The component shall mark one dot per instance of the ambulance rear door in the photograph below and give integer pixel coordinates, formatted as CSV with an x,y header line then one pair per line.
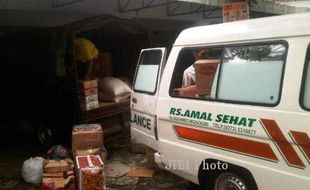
x,y
144,96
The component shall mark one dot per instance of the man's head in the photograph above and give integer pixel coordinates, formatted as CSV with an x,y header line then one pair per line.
x,y
200,54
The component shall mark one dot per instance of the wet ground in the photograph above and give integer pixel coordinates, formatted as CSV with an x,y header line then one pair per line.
x,y
121,160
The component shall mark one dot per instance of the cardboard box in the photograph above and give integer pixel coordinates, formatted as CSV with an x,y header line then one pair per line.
x,y
91,178
90,91
140,172
91,98
90,170
52,166
88,161
94,151
65,174
235,11
87,136
58,183
188,91
91,105
205,70
89,94
63,180
89,84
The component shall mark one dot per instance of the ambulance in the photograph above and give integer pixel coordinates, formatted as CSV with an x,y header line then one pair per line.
x,y
244,121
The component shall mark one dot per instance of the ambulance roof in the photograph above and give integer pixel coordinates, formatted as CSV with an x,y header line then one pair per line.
x,y
252,29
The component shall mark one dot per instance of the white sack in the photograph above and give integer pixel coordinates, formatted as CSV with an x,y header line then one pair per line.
x,y
32,170
110,87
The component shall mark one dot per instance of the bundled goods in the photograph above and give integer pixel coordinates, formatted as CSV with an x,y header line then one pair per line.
x,y
113,90
90,170
32,170
86,139
58,175
88,151
89,94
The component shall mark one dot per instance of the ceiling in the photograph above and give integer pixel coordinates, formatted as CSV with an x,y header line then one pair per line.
x,y
50,13
292,3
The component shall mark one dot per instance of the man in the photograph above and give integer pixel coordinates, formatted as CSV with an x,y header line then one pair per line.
x,y
189,73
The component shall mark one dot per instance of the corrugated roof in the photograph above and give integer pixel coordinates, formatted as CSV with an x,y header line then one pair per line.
x,y
268,6
292,3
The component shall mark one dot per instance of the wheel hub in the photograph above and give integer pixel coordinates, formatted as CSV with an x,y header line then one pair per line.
x,y
228,181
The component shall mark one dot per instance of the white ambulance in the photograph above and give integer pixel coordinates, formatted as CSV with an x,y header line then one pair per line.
x,y
244,121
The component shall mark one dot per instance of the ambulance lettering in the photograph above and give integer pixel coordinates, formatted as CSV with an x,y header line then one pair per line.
x,y
235,120
141,121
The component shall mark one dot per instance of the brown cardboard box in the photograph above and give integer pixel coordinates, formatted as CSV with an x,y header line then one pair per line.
x,y
91,105
91,98
188,91
89,84
87,136
58,183
90,102
58,175
235,11
205,70
90,91
51,166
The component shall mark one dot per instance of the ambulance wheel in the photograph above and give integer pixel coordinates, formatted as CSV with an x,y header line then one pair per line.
x,y
230,181
234,178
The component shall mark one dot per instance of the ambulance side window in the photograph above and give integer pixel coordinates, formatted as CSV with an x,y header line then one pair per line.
x,y
305,94
147,72
194,72
251,74
245,74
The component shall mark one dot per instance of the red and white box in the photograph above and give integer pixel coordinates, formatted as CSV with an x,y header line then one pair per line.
x,y
88,161
90,171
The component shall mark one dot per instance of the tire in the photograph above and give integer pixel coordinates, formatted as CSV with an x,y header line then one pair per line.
x,y
234,178
230,181
46,135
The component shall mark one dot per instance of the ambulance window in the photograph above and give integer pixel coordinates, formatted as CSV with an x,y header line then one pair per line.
x,y
251,74
195,72
147,73
246,74
305,99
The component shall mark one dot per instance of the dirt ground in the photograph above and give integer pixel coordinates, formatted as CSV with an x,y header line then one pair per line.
x,y
121,160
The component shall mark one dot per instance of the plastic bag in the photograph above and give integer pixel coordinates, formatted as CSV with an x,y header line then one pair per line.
x,y
32,170
58,152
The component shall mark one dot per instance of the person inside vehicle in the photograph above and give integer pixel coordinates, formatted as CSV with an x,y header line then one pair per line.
x,y
189,73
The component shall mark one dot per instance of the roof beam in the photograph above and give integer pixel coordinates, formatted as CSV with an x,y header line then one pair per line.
x,y
261,6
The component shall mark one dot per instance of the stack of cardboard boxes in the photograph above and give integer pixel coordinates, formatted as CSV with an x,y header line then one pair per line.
x,y
58,175
90,94
87,143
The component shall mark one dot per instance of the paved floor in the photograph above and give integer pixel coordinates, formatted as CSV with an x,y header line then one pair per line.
x,y
123,159
120,161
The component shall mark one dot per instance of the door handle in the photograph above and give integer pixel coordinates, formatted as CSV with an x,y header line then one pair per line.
x,y
134,100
